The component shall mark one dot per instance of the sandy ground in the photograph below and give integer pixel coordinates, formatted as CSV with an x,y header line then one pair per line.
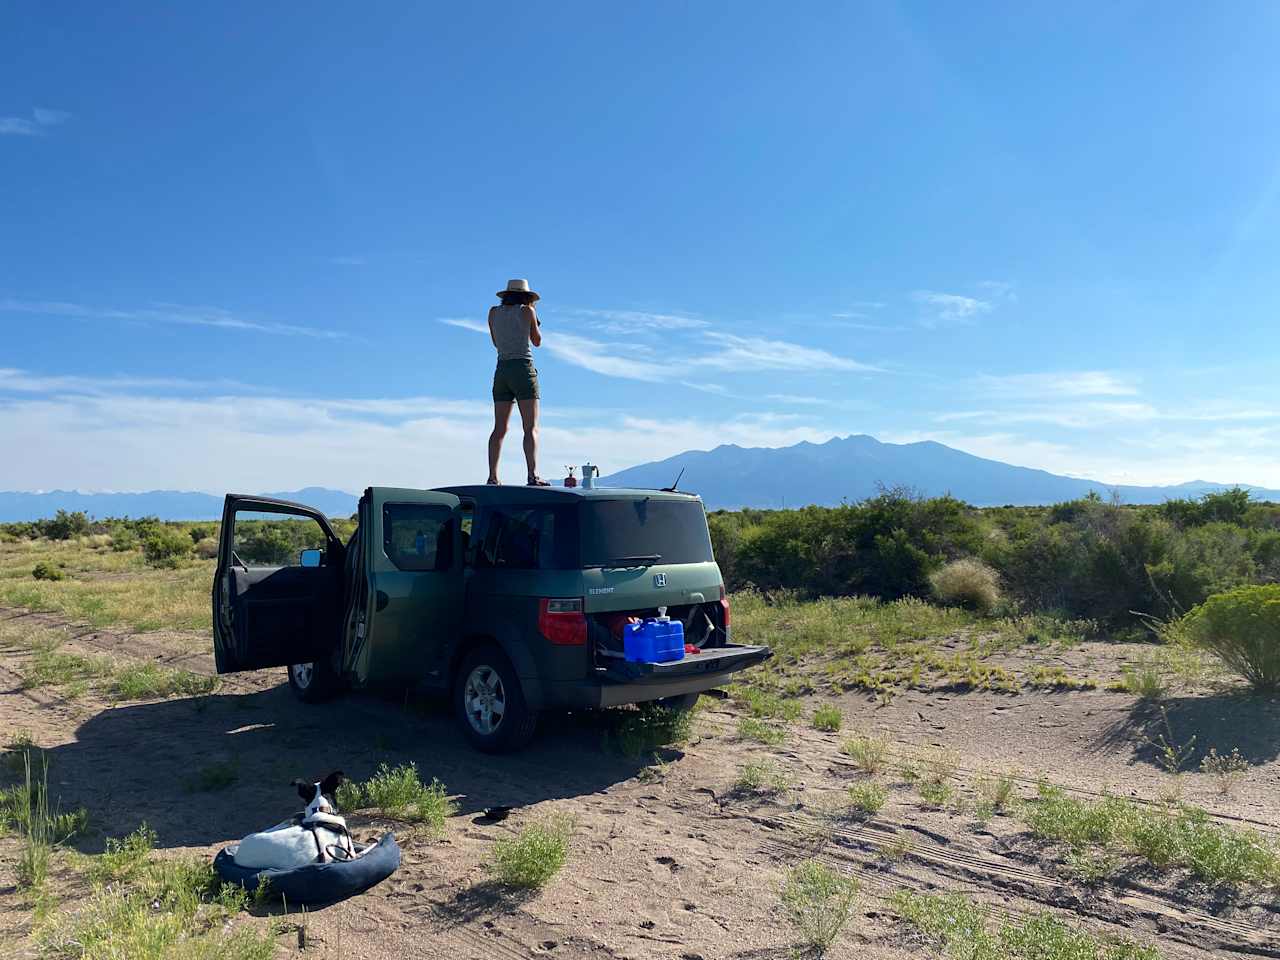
x,y
666,861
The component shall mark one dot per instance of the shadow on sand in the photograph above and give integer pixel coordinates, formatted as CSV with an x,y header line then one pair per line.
x,y
1225,722
144,762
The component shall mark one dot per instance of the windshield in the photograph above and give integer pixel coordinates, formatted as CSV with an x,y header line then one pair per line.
x,y
644,530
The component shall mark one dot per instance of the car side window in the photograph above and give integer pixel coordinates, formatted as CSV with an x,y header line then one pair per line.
x,y
519,538
417,536
269,539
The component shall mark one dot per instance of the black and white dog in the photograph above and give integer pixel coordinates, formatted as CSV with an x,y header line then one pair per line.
x,y
317,835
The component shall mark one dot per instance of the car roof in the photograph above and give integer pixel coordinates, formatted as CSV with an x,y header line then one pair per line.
x,y
510,493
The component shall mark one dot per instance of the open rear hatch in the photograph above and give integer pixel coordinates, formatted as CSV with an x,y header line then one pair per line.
x,y
726,659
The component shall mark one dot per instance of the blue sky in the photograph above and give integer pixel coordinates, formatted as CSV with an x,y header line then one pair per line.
x,y
247,249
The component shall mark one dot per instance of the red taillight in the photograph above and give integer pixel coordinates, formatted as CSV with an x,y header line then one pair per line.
x,y
562,622
724,608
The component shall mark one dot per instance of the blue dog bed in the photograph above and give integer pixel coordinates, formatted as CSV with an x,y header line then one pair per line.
x,y
316,882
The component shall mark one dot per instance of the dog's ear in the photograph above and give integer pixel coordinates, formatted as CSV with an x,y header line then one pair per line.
x,y
306,791
332,782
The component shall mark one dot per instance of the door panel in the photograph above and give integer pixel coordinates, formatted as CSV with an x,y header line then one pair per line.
x,y
413,552
268,609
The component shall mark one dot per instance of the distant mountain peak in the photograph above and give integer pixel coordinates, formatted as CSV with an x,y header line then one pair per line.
x,y
858,466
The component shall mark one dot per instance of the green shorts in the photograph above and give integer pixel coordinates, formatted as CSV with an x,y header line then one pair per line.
x,y
515,380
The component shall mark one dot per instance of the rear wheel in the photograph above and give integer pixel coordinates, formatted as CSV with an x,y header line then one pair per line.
x,y
489,702
314,682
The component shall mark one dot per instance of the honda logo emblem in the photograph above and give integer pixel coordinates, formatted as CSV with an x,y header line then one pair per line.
x,y
659,579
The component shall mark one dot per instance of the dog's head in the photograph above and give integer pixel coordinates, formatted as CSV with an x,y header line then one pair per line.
x,y
318,794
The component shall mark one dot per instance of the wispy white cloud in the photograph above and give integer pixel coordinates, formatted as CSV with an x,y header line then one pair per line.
x,y
608,359
184,440
50,118
797,399
41,118
1068,383
716,389
13,380
466,324
629,322
999,290
856,321
166,313
756,354
944,309
731,353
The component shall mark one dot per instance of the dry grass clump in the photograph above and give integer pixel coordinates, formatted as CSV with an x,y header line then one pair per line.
x,y
828,717
967,583
1164,836
761,731
966,931
819,903
867,799
869,753
399,793
530,859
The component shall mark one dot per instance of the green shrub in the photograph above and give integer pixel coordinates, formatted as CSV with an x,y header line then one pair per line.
x,y
964,931
968,583
819,902
166,547
147,681
867,798
398,793
530,859
869,753
828,717
207,548
200,532
761,731
641,732
46,571
763,777
1242,628
123,539
66,525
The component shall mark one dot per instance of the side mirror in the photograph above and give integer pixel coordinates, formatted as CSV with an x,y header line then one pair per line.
x,y
310,558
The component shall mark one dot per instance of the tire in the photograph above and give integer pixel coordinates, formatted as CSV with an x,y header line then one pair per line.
x,y
485,679
314,682
681,702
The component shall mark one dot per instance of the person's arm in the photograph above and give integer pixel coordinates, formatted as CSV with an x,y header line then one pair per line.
x,y
535,328
491,336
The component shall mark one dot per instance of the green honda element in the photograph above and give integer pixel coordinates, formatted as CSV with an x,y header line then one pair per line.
x,y
510,599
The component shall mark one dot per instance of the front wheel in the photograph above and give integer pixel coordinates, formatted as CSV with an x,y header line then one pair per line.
x,y
314,682
489,702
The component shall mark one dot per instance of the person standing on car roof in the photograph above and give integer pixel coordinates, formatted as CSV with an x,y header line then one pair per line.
x,y
514,329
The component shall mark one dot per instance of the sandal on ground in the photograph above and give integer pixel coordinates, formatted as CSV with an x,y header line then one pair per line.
x,y
537,482
492,483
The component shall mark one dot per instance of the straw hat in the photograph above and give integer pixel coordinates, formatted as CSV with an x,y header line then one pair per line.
x,y
519,286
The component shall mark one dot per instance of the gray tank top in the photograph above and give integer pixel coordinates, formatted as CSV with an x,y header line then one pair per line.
x,y
511,332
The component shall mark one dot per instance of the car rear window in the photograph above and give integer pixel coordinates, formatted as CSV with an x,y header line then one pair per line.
x,y
674,530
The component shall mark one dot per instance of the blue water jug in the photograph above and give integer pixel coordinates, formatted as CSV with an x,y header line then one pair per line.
x,y
656,640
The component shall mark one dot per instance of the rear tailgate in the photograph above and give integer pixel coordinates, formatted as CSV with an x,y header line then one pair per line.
x,y
714,660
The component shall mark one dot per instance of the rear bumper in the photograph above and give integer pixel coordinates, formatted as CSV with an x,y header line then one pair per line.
x,y
641,682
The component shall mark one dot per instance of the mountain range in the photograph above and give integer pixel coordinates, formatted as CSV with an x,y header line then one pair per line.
x,y
844,468
165,504
855,467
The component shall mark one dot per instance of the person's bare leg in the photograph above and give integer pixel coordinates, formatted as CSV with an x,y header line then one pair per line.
x,y
529,417
501,417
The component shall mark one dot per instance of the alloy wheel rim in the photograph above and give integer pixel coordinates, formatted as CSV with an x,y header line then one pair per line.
x,y
302,673
485,699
